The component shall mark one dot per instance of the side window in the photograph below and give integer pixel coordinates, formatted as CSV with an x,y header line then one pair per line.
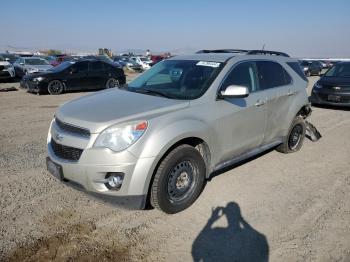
x,y
272,74
80,66
96,66
244,74
297,69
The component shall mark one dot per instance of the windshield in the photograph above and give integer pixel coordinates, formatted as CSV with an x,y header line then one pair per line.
x,y
340,70
177,79
33,61
61,67
305,63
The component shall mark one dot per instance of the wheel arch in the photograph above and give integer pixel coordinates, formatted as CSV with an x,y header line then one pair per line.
x,y
198,143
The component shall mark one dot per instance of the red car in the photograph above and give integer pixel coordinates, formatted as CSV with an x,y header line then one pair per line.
x,y
61,58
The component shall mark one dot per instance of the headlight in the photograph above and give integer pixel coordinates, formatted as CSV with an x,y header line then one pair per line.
x,y
305,68
121,136
318,85
32,70
38,79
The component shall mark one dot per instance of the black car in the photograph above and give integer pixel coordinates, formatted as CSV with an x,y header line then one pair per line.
x,y
333,88
75,75
311,67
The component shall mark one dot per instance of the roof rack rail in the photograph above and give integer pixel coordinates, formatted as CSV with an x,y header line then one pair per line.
x,y
266,52
204,51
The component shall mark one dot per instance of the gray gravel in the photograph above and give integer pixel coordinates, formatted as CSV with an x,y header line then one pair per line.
x,y
297,205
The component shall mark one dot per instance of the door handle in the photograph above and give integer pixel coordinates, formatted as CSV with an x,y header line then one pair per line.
x,y
260,102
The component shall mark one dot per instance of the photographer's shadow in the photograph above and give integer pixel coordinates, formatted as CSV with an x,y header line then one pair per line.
x,y
236,242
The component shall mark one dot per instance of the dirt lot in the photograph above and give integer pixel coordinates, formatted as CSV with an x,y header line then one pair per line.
x,y
283,207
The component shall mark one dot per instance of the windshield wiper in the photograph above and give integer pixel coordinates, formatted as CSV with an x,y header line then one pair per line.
x,y
152,91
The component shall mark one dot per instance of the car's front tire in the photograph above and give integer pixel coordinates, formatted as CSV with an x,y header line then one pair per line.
x,y
179,180
295,138
55,87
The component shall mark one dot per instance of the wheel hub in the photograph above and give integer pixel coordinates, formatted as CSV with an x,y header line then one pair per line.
x,y
181,181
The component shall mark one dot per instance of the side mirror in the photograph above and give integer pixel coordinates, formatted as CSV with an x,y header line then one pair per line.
x,y
234,91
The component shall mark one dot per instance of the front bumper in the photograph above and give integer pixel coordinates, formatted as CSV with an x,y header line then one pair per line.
x,y
34,86
322,97
93,166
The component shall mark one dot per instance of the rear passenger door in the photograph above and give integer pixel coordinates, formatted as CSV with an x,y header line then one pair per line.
x,y
278,88
98,74
242,121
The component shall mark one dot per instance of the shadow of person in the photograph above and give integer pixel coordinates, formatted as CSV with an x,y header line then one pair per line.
x,y
236,242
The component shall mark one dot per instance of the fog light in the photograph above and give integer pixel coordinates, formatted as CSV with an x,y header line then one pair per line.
x,y
114,180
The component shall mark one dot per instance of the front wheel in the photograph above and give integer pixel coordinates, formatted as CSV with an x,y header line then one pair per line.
x,y
179,180
112,82
55,87
295,139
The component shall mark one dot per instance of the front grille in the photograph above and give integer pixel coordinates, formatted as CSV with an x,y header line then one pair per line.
x,y
66,152
72,129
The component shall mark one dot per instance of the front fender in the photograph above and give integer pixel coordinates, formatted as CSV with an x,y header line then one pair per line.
x,y
161,140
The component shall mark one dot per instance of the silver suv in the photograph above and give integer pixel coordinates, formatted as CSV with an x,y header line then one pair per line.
x,y
157,141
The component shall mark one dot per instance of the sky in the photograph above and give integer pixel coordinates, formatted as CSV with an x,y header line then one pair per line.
x,y
301,28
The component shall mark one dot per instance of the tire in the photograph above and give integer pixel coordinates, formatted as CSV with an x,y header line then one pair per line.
x,y
179,180
295,139
112,83
55,87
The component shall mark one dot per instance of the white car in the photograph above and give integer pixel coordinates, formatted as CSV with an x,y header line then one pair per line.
x,y
144,62
6,69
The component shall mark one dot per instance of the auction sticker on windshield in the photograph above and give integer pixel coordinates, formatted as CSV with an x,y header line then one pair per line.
x,y
205,63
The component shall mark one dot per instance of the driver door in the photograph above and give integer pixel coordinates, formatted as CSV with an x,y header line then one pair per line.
x,y
242,121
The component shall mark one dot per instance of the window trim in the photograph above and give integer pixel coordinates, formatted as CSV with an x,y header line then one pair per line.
x,y
258,84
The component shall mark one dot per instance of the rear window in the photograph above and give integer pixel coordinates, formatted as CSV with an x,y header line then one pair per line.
x,y
272,74
297,69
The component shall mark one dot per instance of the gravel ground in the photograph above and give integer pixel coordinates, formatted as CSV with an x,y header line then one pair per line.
x,y
280,207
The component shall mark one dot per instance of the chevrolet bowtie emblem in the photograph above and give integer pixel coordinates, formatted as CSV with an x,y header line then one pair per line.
x,y
58,137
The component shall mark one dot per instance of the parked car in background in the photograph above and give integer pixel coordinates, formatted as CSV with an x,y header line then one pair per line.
x,y
311,67
106,59
10,57
333,88
144,62
6,69
60,59
82,74
48,58
119,60
157,143
156,58
131,64
30,65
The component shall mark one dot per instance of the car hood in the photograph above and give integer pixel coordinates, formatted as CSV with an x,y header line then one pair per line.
x,y
105,108
5,63
37,74
334,81
39,67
